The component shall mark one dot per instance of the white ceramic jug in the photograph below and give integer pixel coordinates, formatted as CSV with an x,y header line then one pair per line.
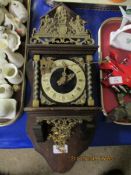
x,y
6,91
13,39
18,10
12,74
13,23
15,58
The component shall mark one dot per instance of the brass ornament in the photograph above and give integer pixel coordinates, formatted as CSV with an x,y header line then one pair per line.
x,y
16,88
89,60
61,28
36,59
47,64
62,130
45,101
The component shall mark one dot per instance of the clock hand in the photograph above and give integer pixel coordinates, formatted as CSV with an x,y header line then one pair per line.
x,y
70,77
65,78
64,64
62,80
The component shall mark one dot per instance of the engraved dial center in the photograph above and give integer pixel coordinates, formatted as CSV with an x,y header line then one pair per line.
x,y
61,83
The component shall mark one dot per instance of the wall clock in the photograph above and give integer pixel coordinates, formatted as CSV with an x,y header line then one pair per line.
x,y
62,107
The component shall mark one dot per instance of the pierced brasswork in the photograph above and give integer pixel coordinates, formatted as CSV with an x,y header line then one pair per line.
x,y
47,64
61,130
62,28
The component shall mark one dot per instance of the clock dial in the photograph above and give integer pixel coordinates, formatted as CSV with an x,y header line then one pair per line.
x,y
65,82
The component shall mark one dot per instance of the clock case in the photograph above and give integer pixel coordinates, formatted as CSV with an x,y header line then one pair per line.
x,y
38,114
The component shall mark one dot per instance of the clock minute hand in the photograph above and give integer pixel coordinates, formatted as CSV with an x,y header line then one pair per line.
x,y
65,78
62,79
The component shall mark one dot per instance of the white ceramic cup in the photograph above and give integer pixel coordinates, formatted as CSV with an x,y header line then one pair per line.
x,y
12,74
4,2
6,91
15,58
5,108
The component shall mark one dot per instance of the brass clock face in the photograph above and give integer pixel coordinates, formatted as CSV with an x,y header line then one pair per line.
x,y
65,82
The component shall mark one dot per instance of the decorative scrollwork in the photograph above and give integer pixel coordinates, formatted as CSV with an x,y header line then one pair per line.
x,y
61,130
62,28
36,81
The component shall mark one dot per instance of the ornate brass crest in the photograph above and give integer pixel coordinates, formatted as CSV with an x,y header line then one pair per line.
x,y
62,28
62,130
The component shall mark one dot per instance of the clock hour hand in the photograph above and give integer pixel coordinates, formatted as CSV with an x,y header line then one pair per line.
x,y
62,80
70,77
65,77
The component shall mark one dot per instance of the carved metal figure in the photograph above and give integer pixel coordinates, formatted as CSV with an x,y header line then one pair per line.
x,y
61,28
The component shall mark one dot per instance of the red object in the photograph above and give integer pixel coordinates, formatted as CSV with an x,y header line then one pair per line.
x,y
114,69
118,1
108,96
